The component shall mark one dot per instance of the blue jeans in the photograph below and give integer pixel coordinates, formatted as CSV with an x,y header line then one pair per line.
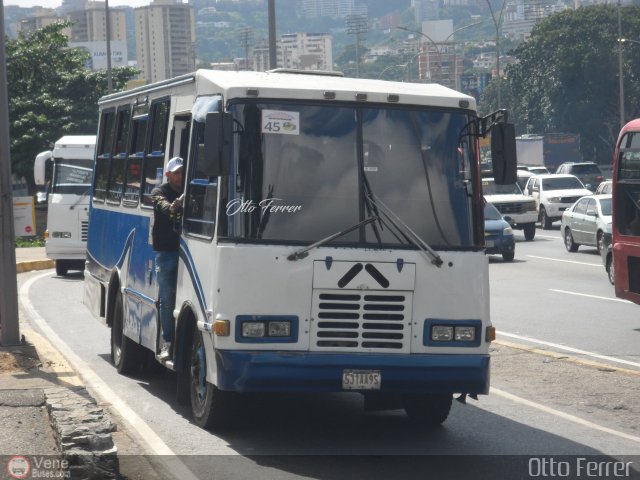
x,y
167,273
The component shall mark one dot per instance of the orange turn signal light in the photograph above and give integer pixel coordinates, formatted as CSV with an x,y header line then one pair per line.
x,y
490,334
222,328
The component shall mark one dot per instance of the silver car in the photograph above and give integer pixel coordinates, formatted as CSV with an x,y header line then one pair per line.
x,y
586,222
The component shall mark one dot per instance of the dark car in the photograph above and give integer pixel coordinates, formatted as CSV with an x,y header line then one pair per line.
x,y
588,172
498,235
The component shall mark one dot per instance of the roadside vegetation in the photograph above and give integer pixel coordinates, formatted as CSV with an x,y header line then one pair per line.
x,y
566,78
28,242
51,93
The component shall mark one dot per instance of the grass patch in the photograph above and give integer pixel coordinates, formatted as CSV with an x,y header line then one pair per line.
x,y
27,242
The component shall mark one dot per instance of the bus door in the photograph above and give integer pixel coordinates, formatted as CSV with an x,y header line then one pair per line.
x,y
141,273
200,208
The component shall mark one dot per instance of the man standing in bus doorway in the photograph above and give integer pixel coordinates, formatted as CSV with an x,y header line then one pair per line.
x,y
167,213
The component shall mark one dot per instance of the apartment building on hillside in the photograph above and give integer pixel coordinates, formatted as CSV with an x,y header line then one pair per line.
x,y
299,51
165,35
88,30
41,18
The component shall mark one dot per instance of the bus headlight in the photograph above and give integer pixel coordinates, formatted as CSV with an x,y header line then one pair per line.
x,y
465,334
441,333
452,333
279,329
60,234
253,329
266,329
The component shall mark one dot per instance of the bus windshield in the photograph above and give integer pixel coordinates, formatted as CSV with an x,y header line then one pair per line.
x,y
72,176
306,171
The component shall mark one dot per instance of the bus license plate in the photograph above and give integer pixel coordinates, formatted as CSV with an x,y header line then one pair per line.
x,y
361,379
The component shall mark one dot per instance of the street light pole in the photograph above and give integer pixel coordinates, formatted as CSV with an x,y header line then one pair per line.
x,y
273,59
107,24
620,74
620,71
496,23
435,45
389,68
9,323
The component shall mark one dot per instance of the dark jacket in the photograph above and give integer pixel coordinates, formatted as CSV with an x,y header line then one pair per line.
x,y
166,224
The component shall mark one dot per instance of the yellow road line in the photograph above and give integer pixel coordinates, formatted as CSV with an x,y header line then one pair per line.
x,y
564,356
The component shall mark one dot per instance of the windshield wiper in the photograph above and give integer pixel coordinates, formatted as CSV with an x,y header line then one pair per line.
x,y
406,231
80,199
305,251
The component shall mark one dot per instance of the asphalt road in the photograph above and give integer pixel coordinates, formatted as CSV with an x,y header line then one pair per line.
x,y
537,405
551,295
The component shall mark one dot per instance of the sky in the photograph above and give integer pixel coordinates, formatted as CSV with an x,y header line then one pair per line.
x,y
57,3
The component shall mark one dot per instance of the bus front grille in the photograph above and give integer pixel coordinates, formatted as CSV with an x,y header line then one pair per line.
x,y
361,320
84,230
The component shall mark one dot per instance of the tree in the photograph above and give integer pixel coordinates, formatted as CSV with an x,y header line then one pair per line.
x,y
51,93
566,77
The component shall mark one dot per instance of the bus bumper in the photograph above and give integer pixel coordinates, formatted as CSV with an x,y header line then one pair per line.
x,y
251,371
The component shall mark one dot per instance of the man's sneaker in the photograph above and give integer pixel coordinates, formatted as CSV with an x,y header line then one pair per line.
x,y
165,350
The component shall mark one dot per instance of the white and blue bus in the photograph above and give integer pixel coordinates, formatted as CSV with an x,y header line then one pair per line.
x,y
332,237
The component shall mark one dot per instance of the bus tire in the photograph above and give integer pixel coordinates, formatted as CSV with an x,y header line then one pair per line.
x,y
529,231
427,410
610,270
211,408
61,268
126,355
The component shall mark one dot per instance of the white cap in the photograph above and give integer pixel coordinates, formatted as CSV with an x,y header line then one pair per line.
x,y
174,164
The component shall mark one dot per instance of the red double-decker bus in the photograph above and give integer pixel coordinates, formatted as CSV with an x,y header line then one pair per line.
x,y
626,212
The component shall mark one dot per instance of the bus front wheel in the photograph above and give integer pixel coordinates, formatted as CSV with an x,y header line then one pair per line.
x,y
62,268
427,410
126,355
210,406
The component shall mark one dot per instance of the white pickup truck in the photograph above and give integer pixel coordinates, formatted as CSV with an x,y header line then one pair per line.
x,y
516,208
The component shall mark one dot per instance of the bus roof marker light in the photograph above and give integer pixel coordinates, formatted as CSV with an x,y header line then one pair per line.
x,y
361,97
463,103
392,98
253,92
329,95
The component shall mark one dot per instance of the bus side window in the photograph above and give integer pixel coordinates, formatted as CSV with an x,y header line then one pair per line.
x,y
153,161
134,162
116,179
103,155
202,191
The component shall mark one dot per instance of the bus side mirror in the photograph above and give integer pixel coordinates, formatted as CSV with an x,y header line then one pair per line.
x,y
39,167
218,136
503,153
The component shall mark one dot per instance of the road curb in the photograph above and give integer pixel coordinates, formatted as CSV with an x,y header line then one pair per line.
x,y
565,357
22,267
81,428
